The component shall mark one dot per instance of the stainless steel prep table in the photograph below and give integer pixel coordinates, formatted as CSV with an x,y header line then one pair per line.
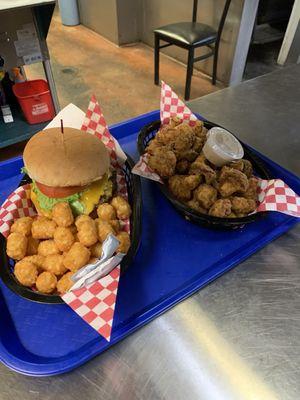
x,y
238,338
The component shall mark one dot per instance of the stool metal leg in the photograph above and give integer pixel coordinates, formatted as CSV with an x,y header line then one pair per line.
x,y
156,59
189,74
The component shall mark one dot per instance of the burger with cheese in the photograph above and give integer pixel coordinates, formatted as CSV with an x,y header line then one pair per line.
x,y
73,166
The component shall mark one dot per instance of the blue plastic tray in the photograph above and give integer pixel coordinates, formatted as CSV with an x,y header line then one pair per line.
x,y
40,340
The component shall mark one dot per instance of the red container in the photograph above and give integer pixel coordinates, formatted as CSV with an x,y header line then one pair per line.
x,y
35,100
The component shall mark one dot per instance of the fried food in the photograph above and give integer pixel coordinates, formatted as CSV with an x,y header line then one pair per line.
x,y
62,214
122,207
16,245
184,139
182,186
73,229
36,259
26,272
153,146
182,166
63,238
47,247
80,219
22,225
198,144
115,223
206,195
106,212
43,228
189,155
175,154
65,283
46,282
54,263
163,162
240,205
124,245
32,246
193,204
221,208
231,181
96,250
76,257
87,233
104,229
242,165
251,192
174,121
166,135
198,128
201,167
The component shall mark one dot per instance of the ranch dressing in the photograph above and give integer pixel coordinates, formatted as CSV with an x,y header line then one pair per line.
x,y
221,147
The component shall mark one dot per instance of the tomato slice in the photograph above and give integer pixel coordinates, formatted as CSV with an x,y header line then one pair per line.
x,y
59,192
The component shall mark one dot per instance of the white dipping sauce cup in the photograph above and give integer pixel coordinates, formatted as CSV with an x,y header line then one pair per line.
x,y
221,147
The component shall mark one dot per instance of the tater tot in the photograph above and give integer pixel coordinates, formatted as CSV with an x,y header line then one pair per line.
x,y
104,229
80,219
43,228
65,283
47,247
32,246
22,225
54,263
46,282
122,207
87,233
26,272
73,229
16,245
96,250
63,238
124,245
115,223
62,214
106,212
36,259
76,257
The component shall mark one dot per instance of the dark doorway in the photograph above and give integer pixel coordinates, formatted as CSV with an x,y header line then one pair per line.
x,y
268,33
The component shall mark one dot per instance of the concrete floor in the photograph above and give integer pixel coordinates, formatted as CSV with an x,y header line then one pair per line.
x,y
121,77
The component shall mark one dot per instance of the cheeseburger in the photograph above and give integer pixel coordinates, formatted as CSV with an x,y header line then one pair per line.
x,y
73,167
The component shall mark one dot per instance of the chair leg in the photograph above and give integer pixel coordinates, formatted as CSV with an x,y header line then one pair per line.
x,y
215,64
156,60
189,73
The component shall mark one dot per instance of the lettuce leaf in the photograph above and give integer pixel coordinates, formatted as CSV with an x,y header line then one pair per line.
x,y
47,203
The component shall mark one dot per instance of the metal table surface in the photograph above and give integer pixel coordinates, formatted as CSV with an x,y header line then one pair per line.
x,y
238,338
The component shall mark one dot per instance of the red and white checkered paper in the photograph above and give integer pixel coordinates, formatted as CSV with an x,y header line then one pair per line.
x,y
95,303
273,195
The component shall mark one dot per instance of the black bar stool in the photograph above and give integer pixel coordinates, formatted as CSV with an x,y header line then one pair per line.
x,y
190,35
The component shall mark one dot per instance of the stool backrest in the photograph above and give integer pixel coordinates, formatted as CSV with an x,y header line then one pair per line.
x,y
223,16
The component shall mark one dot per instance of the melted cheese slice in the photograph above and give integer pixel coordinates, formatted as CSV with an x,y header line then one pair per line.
x,y
90,197
40,211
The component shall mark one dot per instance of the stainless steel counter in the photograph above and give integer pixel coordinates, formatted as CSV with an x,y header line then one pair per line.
x,y
238,338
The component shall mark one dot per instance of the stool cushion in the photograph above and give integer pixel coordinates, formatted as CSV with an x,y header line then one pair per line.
x,y
189,33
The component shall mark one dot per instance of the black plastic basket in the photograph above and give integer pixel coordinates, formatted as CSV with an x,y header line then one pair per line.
x,y
149,131
135,200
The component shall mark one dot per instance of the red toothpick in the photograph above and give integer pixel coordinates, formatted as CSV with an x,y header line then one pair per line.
x,y
62,136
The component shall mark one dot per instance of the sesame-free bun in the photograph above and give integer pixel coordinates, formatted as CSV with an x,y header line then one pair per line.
x,y
72,158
